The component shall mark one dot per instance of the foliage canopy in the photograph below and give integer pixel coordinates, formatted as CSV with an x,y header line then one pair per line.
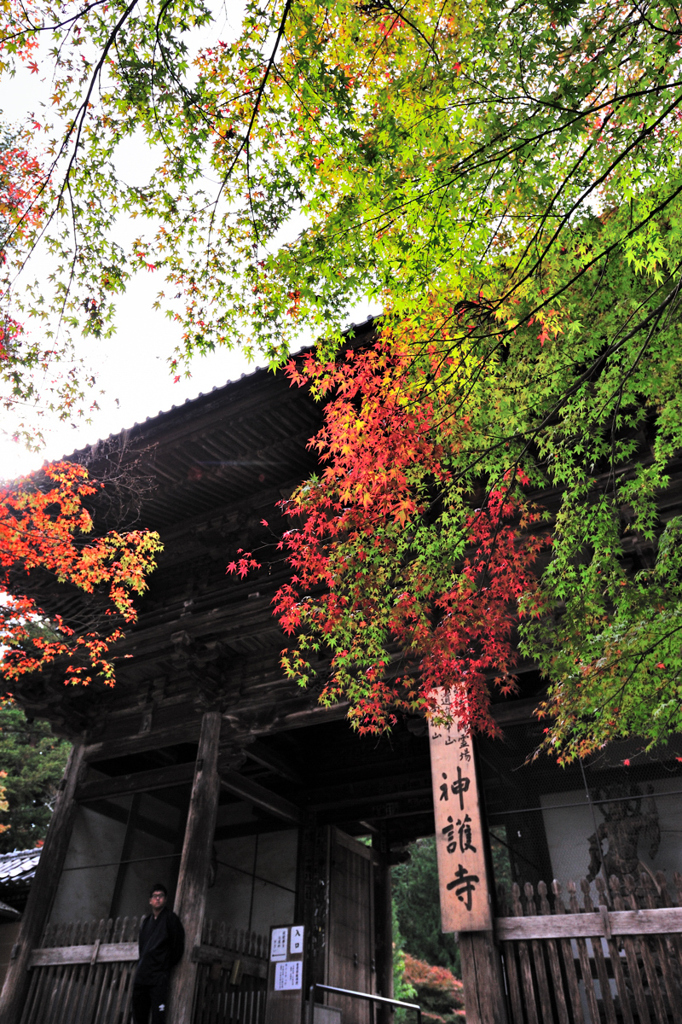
x,y
505,180
34,761
416,898
44,523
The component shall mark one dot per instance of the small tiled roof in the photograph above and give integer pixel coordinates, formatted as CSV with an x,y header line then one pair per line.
x,y
8,913
18,868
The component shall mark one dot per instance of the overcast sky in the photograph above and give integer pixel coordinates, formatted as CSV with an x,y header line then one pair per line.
x,y
131,368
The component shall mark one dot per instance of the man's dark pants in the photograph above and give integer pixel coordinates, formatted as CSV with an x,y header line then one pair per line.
x,y
151,997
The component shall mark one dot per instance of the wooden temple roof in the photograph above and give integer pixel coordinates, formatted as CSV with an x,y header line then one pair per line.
x,y
205,475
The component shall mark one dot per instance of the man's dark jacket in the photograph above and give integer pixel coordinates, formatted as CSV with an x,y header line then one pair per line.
x,y
162,941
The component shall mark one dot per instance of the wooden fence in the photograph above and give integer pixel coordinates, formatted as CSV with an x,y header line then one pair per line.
x,y
615,959
232,976
83,971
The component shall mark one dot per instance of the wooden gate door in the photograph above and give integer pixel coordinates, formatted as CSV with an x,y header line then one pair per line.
x,y
350,948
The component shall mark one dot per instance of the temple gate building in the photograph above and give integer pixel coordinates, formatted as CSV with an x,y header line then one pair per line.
x,y
206,769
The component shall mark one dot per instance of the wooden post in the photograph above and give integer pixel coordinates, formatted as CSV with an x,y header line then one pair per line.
x,y
484,996
464,869
190,896
43,889
383,927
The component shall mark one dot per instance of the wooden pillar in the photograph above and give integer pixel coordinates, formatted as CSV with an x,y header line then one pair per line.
x,y
484,996
383,928
190,896
464,867
43,890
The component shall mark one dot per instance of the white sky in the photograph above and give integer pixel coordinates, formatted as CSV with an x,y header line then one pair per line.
x,y
132,367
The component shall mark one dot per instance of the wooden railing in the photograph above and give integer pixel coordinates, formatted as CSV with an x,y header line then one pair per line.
x,y
83,973
616,958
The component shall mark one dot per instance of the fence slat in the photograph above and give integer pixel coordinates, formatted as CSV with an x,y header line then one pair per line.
x,y
631,958
511,970
614,956
538,959
524,963
553,958
584,959
647,958
674,938
599,960
652,893
569,961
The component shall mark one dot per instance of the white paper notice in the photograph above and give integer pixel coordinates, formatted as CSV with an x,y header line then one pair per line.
x,y
278,943
296,943
288,976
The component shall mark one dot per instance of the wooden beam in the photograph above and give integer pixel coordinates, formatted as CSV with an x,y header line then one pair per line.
x,y
120,814
516,712
106,953
261,797
195,864
216,955
186,731
136,782
43,890
380,811
370,791
310,716
267,758
657,921
250,828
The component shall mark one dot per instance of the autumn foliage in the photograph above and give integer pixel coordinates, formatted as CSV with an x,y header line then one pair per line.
x,y
398,587
519,164
44,523
20,212
439,992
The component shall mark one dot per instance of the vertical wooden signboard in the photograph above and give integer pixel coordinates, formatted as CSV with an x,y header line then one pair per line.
x,y
465,903
284,1001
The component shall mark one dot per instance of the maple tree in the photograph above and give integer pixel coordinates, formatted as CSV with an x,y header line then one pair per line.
x,y
504,179
439,992
31,383
394,575
44,528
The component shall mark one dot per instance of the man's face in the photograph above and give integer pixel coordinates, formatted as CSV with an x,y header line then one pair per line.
x,y
157,901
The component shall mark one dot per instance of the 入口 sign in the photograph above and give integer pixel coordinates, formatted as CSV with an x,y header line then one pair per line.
x,y
464,891
296,943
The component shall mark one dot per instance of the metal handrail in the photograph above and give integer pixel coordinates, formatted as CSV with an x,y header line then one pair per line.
x,y
357,995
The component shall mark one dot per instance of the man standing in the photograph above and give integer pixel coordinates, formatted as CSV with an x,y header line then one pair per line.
x,y
162,941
